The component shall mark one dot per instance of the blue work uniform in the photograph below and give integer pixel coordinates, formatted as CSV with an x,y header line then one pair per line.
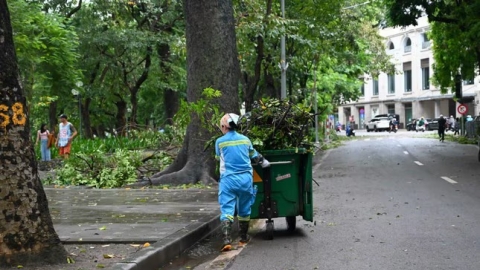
x,y
234,152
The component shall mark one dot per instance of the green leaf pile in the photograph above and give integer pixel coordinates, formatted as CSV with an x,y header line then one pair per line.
x,y
278,124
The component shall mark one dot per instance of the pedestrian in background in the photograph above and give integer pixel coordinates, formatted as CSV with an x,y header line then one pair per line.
x,y
235,152
451,122
457,126
42,137
66,133
442,124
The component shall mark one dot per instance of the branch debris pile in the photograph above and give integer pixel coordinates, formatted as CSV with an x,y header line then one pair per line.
x,y
278,124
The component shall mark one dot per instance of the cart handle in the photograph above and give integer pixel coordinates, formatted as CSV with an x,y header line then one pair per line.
x,y
281,162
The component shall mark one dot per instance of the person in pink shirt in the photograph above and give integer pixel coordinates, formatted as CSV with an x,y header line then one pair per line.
x,y
42,137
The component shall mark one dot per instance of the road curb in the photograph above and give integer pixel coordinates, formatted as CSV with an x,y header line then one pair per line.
x,y
163,251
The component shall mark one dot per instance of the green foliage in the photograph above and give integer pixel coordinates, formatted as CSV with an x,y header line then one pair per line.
x,y
46,49
278,124
113,162
204,110
101,170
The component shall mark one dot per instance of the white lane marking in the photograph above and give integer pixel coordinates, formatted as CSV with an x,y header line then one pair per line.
x,y
449,180
405,152
367,139
418,163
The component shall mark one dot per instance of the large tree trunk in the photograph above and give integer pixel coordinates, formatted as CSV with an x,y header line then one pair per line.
x,y
134,103
170,98
211,62
87,126
270,89
27,235
171,101
52,115
120,119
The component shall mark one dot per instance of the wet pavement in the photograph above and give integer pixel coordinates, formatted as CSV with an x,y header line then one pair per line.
x,y
168,217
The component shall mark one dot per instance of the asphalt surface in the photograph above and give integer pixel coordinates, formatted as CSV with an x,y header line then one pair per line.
x,y
385,202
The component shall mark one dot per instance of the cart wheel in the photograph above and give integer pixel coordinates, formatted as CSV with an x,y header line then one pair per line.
x,y
291,223
270,229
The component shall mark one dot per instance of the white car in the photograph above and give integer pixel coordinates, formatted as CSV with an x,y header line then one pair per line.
x,y
378,124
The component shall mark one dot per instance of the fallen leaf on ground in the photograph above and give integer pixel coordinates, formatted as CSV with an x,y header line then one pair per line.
x,y
100,265
108,256
134,245
103,228
105,245
19,266
146,245
70,260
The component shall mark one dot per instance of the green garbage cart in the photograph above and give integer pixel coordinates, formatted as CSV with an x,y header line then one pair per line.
x,y
284,189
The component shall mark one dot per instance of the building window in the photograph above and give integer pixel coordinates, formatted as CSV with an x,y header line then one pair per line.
x,y
362,90
425,41
391,108
408,45
391,46
425,74
391,83
375,87
407,76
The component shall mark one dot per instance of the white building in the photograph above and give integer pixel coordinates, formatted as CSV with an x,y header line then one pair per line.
x,y
409,93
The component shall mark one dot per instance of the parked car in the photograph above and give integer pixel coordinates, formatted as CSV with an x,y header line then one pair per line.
x,y
389,116
378,124
433,124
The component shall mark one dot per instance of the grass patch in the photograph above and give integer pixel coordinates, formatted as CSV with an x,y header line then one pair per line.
x,y
454,138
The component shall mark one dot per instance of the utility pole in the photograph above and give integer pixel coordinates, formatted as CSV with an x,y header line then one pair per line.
x,y
283,62
315,103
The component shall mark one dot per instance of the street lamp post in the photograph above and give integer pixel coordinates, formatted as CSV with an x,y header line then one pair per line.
x,y
283,61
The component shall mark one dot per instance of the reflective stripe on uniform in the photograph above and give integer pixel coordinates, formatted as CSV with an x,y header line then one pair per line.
x,y
233,143
247,218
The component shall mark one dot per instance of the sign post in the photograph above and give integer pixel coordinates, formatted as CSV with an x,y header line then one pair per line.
x,y
462,109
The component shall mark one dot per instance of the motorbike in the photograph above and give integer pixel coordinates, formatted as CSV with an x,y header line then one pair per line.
x,y
393,128
451,127
350,131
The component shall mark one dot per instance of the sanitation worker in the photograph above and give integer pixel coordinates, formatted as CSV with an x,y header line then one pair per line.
x,y
235,153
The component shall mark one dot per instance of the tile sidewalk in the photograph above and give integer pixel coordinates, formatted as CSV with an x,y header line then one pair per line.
x,y
171,220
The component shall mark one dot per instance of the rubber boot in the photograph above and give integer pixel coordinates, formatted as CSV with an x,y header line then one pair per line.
x,y
244,237
227,240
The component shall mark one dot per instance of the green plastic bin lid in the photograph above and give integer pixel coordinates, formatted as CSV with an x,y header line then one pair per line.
x,y
285,151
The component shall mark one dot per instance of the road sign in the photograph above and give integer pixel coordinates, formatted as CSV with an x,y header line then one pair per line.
x,y
462,109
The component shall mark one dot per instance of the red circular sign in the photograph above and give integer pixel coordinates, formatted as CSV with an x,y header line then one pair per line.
x,y
462,109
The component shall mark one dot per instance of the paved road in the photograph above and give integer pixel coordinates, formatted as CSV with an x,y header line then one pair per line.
x,y
386,203
400,132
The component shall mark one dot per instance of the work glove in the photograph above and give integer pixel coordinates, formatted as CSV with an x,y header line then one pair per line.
x,y
264,163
